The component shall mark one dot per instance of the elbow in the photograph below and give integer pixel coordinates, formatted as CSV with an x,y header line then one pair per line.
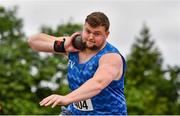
x,y
99,87
32,41
101,84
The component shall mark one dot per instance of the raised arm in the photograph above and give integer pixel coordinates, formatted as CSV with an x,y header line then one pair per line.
x,y
45,43
42,42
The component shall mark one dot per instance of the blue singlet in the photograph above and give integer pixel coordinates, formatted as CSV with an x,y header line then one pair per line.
x,y
110,101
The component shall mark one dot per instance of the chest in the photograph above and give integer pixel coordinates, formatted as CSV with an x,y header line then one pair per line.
x,y
83,58
80,73
83,70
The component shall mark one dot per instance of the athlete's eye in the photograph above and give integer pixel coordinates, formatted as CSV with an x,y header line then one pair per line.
x,y
96,34
88,31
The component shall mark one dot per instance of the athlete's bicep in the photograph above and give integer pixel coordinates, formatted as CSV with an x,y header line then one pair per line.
x,y
109,69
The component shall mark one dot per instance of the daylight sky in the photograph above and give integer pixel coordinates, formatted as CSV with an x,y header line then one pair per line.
x,y
126,18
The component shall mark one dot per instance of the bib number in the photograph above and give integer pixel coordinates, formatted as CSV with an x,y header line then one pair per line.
x,y
85,105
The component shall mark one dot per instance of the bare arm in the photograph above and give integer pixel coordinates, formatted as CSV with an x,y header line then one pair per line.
x,y
45,43
107,71
105,74
42,42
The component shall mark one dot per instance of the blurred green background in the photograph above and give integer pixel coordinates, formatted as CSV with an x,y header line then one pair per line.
x,y
27,76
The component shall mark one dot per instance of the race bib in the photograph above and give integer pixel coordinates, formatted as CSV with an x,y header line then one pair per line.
x,y
85,105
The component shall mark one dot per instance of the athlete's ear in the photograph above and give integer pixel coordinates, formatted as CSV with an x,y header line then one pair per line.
x,y
107,34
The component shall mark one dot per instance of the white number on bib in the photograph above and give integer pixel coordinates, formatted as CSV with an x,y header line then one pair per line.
x,y
85,105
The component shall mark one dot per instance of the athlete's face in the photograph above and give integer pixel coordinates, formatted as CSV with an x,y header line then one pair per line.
x,y
94,37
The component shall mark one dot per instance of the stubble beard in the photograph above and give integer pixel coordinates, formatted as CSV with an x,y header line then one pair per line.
x,y
93,47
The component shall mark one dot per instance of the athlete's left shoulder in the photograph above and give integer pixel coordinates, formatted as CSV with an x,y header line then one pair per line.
x,y
113,53
111,56
109,48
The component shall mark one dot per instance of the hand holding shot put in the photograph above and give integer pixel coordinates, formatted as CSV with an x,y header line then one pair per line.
x,y
95,69
46,43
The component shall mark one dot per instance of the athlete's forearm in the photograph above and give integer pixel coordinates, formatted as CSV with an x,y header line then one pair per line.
x,y
85,91
104,75
43,42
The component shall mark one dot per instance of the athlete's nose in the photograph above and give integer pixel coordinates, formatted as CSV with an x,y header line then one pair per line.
x,y
91,36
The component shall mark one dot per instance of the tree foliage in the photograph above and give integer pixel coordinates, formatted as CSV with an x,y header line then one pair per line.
x,y
27,76
148,90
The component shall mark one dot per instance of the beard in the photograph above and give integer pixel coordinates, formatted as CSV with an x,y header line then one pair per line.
x,y
93,47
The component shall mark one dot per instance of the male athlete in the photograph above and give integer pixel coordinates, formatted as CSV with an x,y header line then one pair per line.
x,y
95,74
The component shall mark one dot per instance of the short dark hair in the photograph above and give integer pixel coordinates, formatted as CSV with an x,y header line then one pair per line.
x,y
96,19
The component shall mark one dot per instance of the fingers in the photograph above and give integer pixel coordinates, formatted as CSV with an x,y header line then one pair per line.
x,y
55,103
68,43
48,100
53,99
75,34
45,100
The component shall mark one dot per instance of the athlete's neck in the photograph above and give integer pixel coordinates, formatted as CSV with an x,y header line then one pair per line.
x,y
87,54
89,51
